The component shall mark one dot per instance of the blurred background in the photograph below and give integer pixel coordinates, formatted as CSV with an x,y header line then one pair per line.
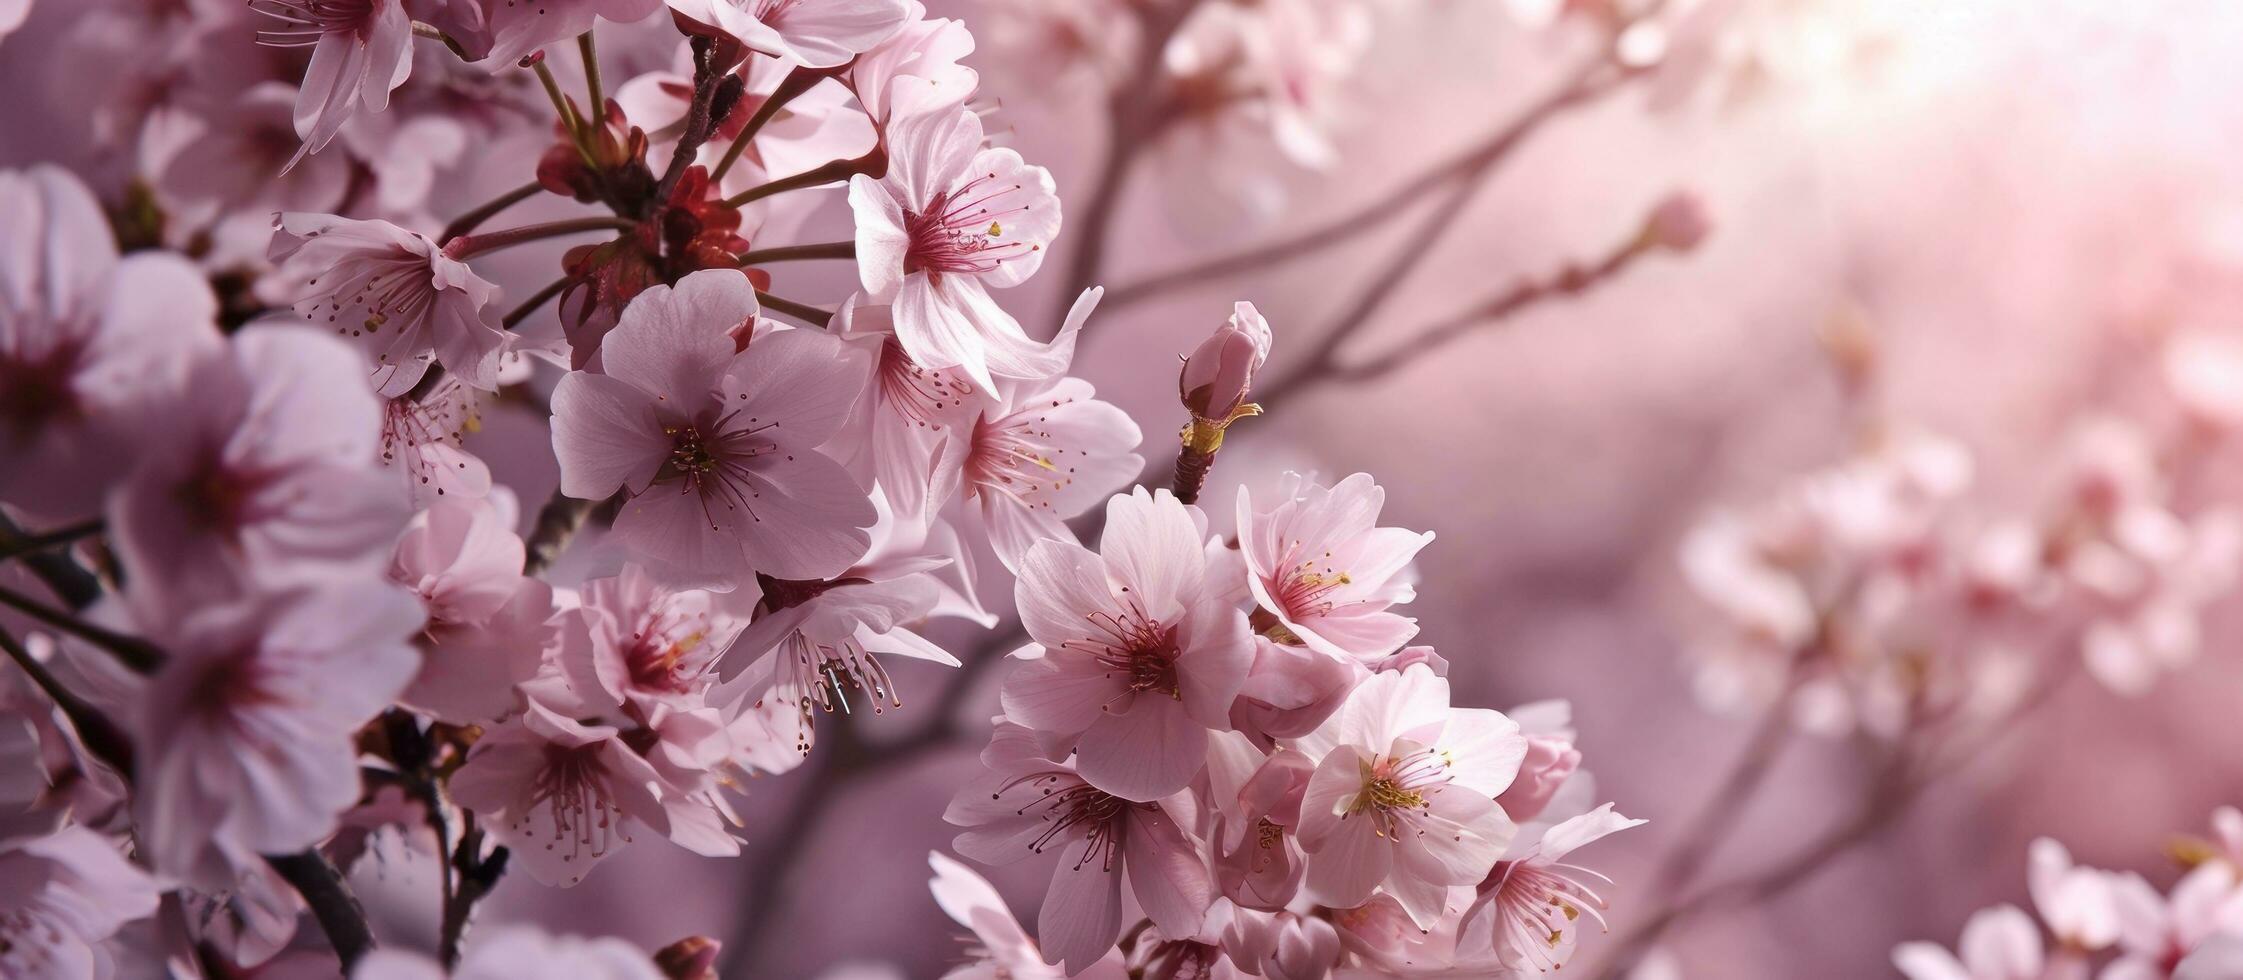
x,y
2010,203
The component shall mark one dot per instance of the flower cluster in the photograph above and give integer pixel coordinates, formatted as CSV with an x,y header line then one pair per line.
x,y
1879,591
2118,919
1235,737
294,622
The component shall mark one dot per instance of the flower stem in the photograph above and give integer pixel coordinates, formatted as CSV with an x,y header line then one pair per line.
x,y
73,584
101,736
584,48
822,250
468,222
134,652
797,82
800,311
826,173
433,32
470,245
33,543
538,299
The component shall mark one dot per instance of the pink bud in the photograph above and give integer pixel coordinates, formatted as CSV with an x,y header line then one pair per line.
x,y
1679,222
691,958
1550,761
1218,377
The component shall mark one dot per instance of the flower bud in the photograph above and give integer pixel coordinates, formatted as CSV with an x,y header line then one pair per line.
x,y
1218,377
1550,761
1679,223
691,958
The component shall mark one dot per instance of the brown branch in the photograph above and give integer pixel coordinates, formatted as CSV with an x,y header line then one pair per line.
x,y
71,583
134,652
798,81
790,253
1138,109
1586,84
515,316
557,522
698,125
100,736
332,904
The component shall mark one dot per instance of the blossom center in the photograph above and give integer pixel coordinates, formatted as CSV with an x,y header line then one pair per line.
x,y
962,230
918,394
34,392
572,784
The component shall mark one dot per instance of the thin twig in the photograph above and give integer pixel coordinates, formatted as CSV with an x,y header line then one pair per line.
x,y
557,522
471,245
29,544
697,121
829,172
798,81
515,316
1137,111
100,736
486,211
1584,85
71,583
804,312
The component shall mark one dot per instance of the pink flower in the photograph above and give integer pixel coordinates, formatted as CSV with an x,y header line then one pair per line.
x,y
2156,930
1999,943
562,795
811,33
716,449
1318,562
2077,903
395,294
1282,945
244,740
1529,907
66,893
1291,689
634,645
1027,804
514,28
1550,760
86,341
1137,661
488,624
1404,794
421,440
1218,376
821,639
507,952
1004,951
361,49
949,220
265,475
230,168
909,414
1258,860
12,15
925,50
1049,453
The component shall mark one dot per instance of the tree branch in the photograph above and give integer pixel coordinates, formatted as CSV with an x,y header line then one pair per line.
x,y
339,914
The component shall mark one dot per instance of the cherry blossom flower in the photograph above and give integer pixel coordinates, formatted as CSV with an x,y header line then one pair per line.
x,y
1529,906
488,624
1404,794
822,640
633,644
716,449
1004,950
1282,945
505,952
66,893
262,476
361,49
2156,930
513,29
1551,758
949,220
421,439
2077,903
811,33
1318,562
228,169
395,294
562,796
1258,860
1999,943
244,740
1050,452
926,50
1028,804
1136,661
12,15
1291,689
86,341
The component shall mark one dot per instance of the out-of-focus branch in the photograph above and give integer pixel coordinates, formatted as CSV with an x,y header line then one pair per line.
x,y
339,914
1137,111
75,586
557,522
101,736
1586,84
132,651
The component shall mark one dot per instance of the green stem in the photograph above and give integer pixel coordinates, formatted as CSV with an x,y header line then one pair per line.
x,y
592,73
